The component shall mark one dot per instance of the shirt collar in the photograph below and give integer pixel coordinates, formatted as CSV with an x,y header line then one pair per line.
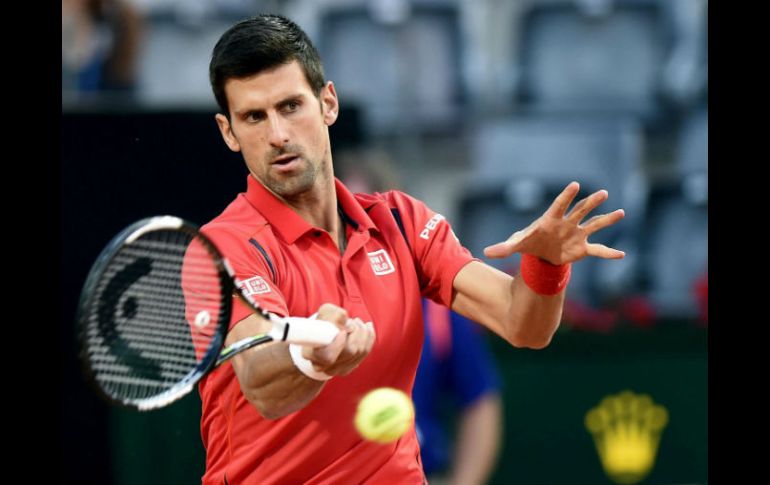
x,y
291,225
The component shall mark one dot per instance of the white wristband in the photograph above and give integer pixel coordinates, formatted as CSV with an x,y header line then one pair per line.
x,y
304,365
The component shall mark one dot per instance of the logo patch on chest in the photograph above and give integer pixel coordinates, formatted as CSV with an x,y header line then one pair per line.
x,y
381,263
255,286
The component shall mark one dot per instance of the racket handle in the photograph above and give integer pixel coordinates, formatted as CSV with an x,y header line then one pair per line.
x,y
310,332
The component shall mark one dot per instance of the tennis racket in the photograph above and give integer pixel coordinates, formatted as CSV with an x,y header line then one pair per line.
x,y
155,309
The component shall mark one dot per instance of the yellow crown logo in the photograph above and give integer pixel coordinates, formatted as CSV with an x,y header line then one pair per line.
x,y
626,429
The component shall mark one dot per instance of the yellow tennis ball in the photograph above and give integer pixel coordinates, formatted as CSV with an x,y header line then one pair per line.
x,y
384,414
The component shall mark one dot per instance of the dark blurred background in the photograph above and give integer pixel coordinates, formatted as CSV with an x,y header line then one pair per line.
x,y
485,109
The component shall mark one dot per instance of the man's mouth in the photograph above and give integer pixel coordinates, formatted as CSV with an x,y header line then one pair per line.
x,y
284,159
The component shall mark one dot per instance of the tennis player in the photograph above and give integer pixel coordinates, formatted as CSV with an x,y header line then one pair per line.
x,y
301,243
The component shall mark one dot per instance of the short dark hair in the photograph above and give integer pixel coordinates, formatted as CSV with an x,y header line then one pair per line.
x,y
259,43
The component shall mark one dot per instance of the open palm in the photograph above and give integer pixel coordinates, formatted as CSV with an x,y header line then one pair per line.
x,y
558,236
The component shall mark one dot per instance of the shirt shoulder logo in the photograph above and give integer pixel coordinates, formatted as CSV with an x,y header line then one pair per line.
x,y
254,286
431,225
381,263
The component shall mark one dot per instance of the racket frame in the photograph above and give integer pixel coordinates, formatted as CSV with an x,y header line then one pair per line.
x,y
295,329
88,300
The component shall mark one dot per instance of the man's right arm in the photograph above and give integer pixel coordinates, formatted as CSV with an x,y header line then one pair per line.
x,y
268,377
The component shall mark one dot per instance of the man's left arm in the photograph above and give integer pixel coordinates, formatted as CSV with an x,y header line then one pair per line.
x,y
508,305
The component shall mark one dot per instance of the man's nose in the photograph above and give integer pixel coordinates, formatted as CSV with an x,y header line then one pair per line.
x,y
277,136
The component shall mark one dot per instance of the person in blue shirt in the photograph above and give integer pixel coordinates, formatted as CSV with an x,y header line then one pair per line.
x,y
457,375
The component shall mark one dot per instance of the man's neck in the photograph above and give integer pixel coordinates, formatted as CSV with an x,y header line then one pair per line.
x,y
319,208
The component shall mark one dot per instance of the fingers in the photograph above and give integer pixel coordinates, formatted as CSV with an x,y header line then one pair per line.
x,y
349,347
602,251
333,313
586,205
599,222
512,245
499,250
361,337
505,248
322,357
562,202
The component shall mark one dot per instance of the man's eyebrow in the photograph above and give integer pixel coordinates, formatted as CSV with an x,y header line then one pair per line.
x,y
248,110
289,99
283,102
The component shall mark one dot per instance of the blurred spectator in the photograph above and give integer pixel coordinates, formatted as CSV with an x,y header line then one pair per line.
x,y
457,375
685,73
100,44
366,170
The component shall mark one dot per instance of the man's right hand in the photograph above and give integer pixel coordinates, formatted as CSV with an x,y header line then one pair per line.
x,y
349,347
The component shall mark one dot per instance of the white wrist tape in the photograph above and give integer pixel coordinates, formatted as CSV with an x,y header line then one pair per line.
x,y
304,365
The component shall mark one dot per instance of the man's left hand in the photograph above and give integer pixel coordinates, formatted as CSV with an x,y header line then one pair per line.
x,y
558,236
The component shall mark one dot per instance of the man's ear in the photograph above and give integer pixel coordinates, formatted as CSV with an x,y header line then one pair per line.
x,y
227,133
330,104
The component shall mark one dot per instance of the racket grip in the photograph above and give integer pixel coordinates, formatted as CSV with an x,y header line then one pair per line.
x,y
310,332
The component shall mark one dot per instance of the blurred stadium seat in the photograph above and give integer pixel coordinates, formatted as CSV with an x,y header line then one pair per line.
x,y
173,70
522,163
401,65
602,56
675,246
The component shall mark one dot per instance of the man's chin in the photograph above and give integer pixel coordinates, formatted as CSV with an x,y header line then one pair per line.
x,y
290,187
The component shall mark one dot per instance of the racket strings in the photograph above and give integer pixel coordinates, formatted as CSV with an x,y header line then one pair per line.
x,y
155,312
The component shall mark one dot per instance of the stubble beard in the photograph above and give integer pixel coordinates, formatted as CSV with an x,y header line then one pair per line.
x,y
296,184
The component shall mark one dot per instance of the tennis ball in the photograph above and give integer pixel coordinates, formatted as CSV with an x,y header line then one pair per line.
x,y
384,414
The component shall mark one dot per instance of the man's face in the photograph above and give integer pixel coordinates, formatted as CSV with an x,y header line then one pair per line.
x,y
281,128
